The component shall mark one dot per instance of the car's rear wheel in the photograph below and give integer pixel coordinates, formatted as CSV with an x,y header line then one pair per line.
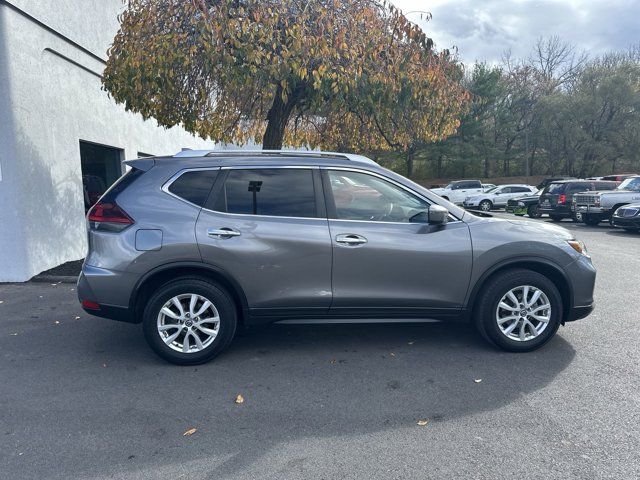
x,y
533,211
591,219
485,205
519,310
189,321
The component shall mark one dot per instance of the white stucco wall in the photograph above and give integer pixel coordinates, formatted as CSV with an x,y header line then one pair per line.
x,y
47,105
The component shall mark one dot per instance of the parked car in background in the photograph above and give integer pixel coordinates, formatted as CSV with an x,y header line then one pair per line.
x,y
619,177
457,191
627,217
488,186
527,205
544,183
497,197
599,205
556,199
197,245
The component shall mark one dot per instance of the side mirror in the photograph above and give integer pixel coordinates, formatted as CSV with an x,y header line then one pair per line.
x,y
438,215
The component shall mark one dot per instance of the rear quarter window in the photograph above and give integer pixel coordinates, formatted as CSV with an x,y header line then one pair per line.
x,y
194,186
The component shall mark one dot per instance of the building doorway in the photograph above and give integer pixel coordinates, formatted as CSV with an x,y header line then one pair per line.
x,y
101,167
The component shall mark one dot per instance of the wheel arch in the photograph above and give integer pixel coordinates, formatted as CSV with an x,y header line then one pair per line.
x,y
157,277
540,265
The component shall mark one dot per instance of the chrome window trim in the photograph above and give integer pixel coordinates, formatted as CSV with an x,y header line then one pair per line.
x,y
176,176
387,179
167,184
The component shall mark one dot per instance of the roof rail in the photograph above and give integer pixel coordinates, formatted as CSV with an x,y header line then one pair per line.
x,y
305,153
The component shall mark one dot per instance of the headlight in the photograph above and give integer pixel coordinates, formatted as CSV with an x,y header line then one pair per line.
x,y
521,204
579,247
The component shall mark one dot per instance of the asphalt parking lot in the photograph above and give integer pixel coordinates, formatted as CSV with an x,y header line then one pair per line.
x,y
82,397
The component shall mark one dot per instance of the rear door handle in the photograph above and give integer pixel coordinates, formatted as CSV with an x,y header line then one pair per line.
x,y
350,239
224,232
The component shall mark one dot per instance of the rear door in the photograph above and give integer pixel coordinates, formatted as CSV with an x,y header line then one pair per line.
x,y
385,264
267,228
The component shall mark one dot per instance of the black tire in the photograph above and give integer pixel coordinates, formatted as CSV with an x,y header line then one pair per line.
x,y
216,294
533,211
485,205
632,230
555,218
591,220
490,296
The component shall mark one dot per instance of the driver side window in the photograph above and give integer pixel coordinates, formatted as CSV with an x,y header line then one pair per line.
x,y
359,196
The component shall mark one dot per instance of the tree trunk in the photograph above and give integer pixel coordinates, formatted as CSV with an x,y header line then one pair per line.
x,y
410,153
277,119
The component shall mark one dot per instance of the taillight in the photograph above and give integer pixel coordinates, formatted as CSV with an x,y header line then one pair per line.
x,y
562,199
109,216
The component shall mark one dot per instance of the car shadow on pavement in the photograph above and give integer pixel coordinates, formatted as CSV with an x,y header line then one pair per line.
x,y
306,382
71,381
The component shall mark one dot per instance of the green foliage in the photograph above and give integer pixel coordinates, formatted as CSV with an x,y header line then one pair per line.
x,y
555,114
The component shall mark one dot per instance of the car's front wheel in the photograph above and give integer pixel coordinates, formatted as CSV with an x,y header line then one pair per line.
x,y
519,310
189,321
592,220
485,205
533,211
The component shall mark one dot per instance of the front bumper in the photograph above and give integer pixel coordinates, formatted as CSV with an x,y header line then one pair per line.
x,y
578,313
626,222
515,209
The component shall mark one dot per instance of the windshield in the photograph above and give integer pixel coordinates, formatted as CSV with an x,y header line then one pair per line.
x,y
492,189
631,184
449,187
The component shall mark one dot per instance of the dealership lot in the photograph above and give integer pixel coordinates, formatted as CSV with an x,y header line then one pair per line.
x,y
83,397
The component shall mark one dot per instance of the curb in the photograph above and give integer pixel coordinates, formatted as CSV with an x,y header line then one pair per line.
x,y
55,279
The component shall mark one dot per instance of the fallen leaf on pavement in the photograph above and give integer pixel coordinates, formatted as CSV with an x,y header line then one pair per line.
x,y
478,380
104,365
239,399
1,302
392,354
189,432
57,322
422,423
333,361
14,334
410,343
77,318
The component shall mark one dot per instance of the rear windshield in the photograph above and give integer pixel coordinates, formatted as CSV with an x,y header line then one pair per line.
x,y
556,188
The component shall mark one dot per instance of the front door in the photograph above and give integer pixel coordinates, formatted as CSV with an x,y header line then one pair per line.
x,y
268,229
386,260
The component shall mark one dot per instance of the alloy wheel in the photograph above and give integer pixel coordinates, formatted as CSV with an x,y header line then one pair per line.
x,y
188,323
523,313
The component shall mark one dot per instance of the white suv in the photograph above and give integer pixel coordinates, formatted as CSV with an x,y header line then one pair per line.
x,y
456,192
497,197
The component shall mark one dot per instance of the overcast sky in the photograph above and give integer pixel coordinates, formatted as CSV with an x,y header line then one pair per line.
x,y
483,29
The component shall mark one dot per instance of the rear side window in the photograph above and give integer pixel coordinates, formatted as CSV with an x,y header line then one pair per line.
x,y
579,187
606,185
520,189
468,184
281,192
194,186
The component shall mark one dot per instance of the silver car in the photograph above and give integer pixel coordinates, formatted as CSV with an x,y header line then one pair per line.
x,y
196,245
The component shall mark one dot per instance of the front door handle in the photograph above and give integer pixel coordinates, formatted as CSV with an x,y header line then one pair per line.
x,y
350,239
224,232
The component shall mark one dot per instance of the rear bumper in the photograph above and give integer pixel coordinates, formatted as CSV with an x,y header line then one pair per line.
x,y
563,211
92,280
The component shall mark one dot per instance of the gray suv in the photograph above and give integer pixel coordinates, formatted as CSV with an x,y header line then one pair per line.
x,y
196,245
